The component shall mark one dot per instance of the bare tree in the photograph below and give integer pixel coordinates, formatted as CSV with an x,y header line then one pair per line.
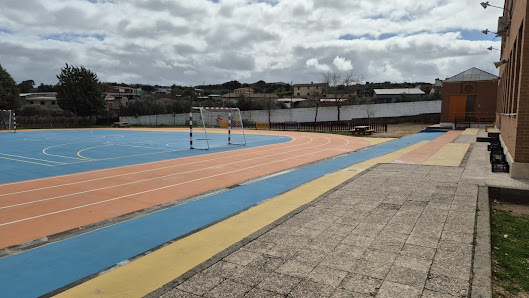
x,y
368,106
315,96
340,86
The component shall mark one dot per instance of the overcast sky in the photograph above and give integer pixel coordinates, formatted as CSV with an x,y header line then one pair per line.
x,y
190,42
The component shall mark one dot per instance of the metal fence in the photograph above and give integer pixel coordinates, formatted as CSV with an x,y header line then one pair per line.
x,y
321,126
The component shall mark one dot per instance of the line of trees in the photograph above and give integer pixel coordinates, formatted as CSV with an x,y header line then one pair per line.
x,y
9,93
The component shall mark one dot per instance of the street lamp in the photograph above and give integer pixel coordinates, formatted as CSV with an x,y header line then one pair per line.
x,y
486,4
486,31
500,63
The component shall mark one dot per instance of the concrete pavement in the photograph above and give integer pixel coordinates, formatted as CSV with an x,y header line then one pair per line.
x,y
395,230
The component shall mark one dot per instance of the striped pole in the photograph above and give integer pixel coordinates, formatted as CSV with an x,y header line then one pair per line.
x,y
229,126
12,116
191,128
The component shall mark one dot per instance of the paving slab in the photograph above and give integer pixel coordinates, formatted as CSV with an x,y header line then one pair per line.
x,y
393,230
403,248
409,232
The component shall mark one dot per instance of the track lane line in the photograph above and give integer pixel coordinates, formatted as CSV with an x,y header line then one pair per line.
x,y
133,165
164,187
140,172
154,178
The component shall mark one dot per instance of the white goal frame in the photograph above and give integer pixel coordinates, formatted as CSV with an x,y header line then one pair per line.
x,y
201,109
12,124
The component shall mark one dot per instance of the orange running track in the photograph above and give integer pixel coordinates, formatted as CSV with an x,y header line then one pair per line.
x,y
37,208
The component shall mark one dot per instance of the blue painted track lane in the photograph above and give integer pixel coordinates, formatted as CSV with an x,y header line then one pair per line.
x,y
42,270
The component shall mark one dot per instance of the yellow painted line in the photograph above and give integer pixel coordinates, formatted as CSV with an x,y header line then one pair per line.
x,y
36,163
450,155
152,271
80,151
470,131
388,158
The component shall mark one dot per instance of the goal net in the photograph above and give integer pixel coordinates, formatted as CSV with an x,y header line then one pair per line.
x,y
211,127
7,120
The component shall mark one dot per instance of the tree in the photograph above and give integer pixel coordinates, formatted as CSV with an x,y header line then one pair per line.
x,y
79,91
316,97
26,86
368,105
46,88
9,94
340,86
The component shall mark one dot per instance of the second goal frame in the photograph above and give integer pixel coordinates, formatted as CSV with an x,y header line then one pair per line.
x,y
230,111
11,121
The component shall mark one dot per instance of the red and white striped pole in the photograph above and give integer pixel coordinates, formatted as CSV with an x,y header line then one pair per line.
x,y
229,126
191,128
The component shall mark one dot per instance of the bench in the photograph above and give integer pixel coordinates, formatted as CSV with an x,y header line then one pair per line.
x,y
120,124
362,130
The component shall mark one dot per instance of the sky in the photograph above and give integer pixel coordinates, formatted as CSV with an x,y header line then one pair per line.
x,y
198,42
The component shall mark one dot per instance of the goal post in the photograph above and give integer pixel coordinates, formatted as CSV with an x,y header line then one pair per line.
x,y
228,121
8,120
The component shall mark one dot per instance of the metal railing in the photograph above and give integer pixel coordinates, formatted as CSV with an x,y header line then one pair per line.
x,y
321,126
468,118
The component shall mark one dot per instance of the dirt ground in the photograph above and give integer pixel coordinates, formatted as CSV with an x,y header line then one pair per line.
x,y
401,130
514,208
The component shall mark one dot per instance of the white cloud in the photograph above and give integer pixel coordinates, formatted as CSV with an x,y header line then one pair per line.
x,y
313,62
341,64
191,42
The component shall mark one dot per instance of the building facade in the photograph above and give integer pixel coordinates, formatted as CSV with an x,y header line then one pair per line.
x,y
392,95
307,90
469,99
512,113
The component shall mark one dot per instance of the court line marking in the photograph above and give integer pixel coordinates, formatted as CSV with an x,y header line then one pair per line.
x,y
45,149
293,138
30,158
19,160
79,152
161,188
191,251
148,170
154,178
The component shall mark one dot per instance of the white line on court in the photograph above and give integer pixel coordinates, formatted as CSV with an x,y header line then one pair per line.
x,y
30,158
127,166
45,149
164,187
142,171
155,178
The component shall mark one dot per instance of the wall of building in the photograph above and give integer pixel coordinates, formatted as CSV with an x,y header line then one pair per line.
x,y
485,93
513,95
307,114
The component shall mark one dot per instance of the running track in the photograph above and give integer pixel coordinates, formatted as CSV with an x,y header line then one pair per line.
x,y
37,208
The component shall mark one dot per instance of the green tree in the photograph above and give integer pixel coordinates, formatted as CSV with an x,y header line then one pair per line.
x,y
9,94
79,91
26,86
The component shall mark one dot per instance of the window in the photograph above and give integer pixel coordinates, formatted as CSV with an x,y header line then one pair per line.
x,y
31,102
42,102
53,103
299,94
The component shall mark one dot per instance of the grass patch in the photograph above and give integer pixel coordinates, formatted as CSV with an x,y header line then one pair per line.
x,y
510,254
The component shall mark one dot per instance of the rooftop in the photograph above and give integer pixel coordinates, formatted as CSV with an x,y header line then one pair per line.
x,y
415,91
473,74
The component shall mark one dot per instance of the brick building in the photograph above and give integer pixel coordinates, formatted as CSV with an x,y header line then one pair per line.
x,y
512,113
469,99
